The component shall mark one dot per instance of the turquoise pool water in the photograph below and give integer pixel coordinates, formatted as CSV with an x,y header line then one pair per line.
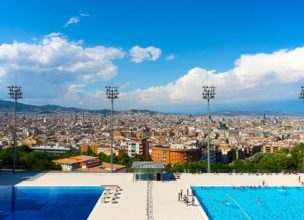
x,y
48,203
225,203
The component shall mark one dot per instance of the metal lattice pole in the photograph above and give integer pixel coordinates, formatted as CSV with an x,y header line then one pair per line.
x,y
15,93
302,97
208,93
149,208
112,93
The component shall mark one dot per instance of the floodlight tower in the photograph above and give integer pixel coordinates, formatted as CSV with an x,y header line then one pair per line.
x,y
15,93
302,97
208,93
112,93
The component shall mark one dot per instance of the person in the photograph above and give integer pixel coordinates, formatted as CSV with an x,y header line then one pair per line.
x,y
263,182
299,178
226,202
193,200
186,199
259,201
187,192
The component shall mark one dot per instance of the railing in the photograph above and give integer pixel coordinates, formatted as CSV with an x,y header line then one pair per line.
x,y
149,209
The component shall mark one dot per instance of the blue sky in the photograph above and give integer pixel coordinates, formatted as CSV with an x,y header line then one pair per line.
x,y
198,36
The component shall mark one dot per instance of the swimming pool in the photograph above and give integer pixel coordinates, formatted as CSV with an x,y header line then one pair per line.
x,y
225,203
23,202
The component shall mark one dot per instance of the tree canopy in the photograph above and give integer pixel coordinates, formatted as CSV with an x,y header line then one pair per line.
x,y
281,161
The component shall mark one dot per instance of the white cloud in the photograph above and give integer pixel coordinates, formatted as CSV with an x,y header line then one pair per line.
x,y
55,54
85,15
60,70
170,57
2,72
258,77
140,54
125,85
255,78
72,20
53,63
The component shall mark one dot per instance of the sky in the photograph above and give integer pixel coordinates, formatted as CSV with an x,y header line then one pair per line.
x,y
160,53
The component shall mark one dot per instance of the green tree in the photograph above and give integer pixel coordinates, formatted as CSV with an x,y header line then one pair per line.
x,y
103,157
297,157
177,168
276,162
124,159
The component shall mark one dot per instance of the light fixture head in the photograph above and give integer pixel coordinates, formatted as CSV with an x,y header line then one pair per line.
x,y
112,92
208,92
15,92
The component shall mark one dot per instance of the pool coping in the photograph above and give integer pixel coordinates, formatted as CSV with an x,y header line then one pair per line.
x,y
200,207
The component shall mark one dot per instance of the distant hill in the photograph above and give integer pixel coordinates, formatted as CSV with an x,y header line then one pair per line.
x,y
230,113
143,111
7,106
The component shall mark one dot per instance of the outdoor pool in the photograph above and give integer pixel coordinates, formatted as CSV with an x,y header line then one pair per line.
x,y
225,203
24,202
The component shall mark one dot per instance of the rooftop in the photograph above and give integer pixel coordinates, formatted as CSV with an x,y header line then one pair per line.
x,y
76,159
148,165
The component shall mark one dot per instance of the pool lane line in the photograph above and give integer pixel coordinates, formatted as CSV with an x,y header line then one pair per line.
x,y
241,208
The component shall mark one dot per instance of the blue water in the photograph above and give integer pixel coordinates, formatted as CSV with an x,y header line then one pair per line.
x,y
48,203
231,203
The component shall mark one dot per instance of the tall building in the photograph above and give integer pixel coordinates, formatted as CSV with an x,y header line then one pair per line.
x,y
107,150
176,154
228,155
138,146
271,149
87,147
215,156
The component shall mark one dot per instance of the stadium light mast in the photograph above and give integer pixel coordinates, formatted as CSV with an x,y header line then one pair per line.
x,y
208,93
302,97
112,93
15,93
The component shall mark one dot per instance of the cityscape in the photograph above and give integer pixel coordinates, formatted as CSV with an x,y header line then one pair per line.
x,y
151,110
235,137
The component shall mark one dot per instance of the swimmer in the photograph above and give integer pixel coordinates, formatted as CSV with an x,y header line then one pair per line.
x,y
259,201
226,202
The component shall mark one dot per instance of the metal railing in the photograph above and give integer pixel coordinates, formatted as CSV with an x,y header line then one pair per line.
x,y
149,209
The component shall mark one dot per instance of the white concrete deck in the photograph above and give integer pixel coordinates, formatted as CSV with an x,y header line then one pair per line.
x,y
132,201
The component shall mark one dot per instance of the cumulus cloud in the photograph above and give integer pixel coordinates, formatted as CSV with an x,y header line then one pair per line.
x,y
258,77
55,54
170,57
254,78
72,20
140,54
60,69
53,63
